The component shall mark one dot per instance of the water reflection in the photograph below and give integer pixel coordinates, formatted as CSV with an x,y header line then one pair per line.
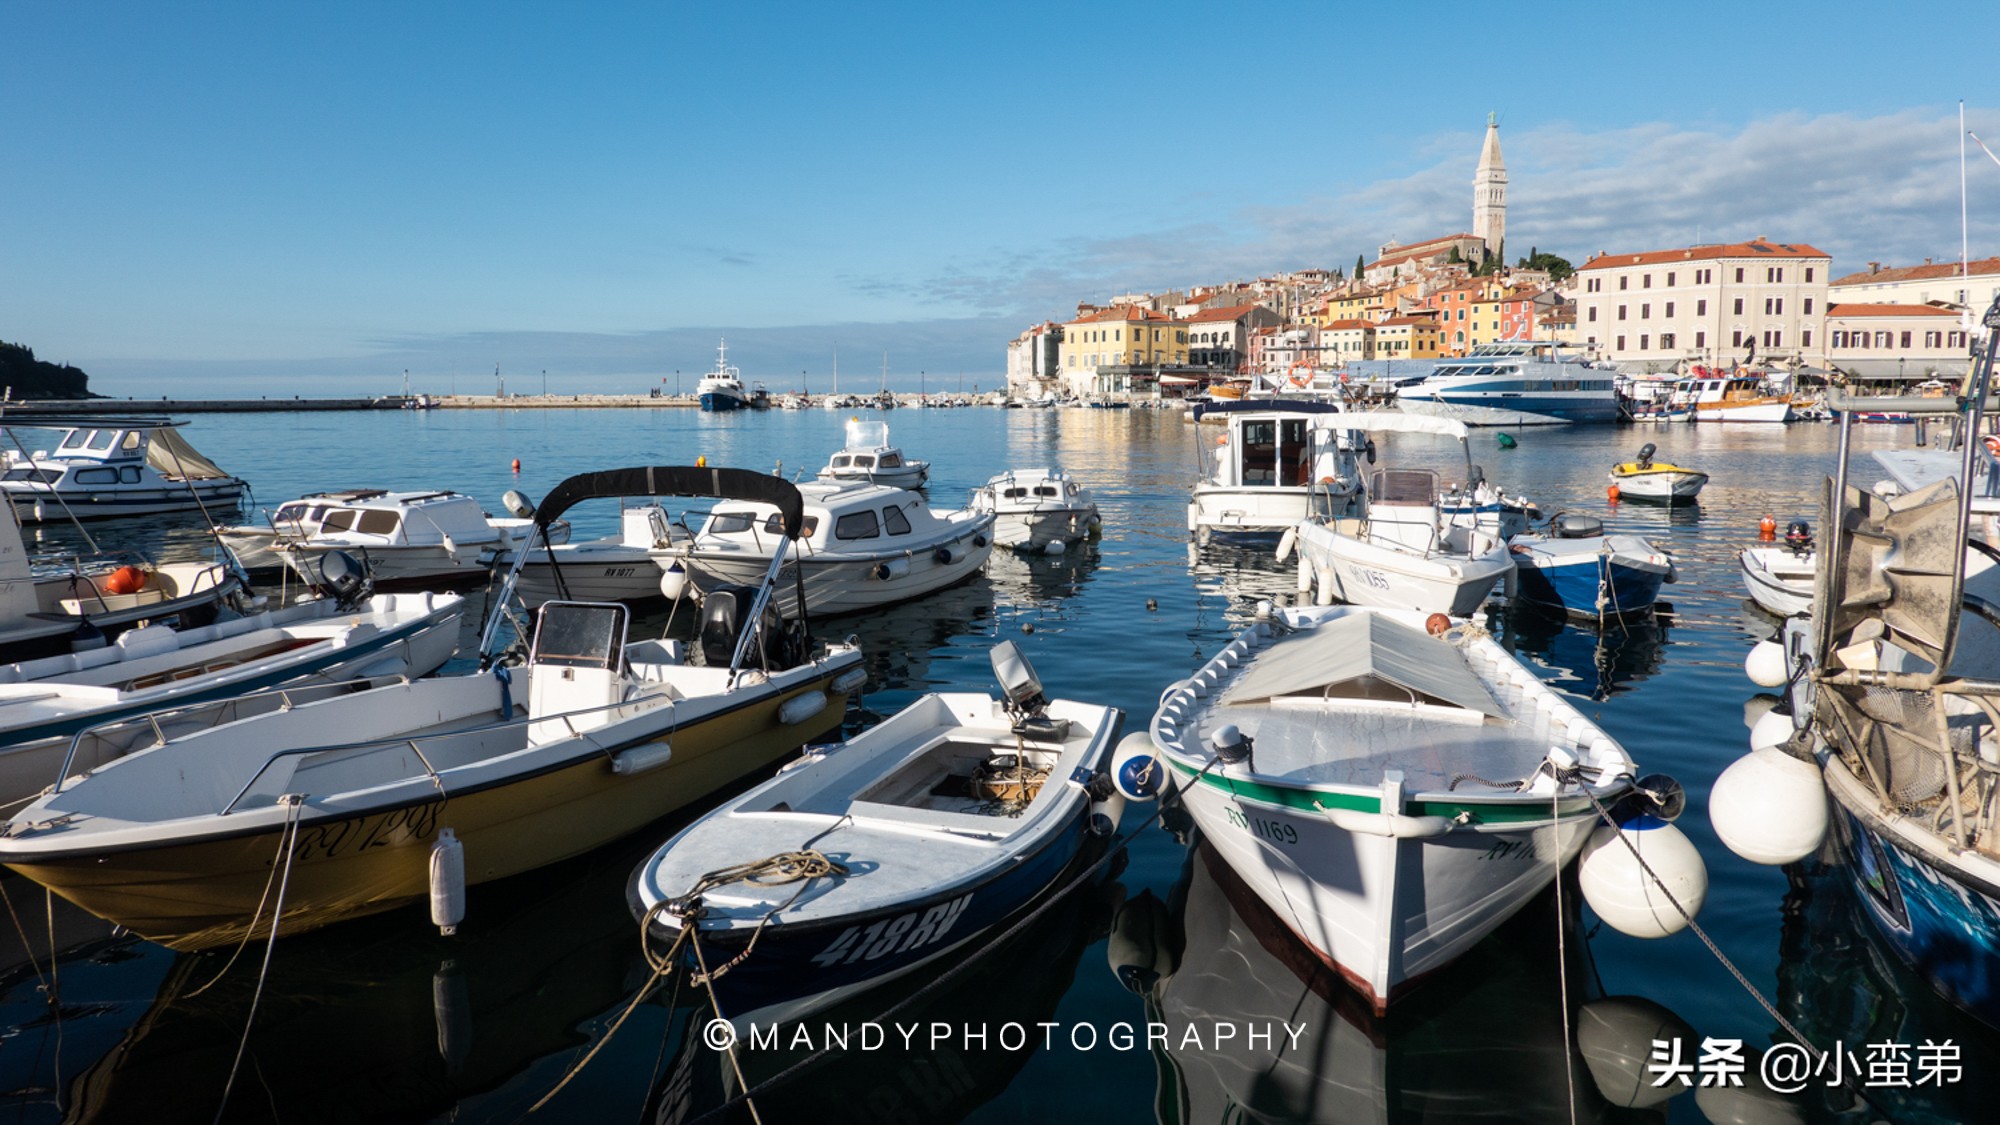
x,y
1595,661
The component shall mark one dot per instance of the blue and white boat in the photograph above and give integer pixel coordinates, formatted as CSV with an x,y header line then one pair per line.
x,y
1572,567
105,467
936,826
722,389
1514,383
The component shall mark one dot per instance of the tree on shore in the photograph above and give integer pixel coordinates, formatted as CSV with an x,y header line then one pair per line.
x,y
1558,268
26,377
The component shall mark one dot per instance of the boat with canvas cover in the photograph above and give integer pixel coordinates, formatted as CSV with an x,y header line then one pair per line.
x,y
1035,509
1257,469
1643,478
1392,794
938,824
45,702
105,467
864,545
868,458
1403,551
358,799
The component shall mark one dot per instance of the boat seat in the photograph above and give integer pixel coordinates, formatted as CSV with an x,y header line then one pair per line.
x,y
893,817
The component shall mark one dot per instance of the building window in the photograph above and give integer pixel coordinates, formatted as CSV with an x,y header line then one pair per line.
x,y
1809,270
1739,306
1593,314
1808,308
1954,340
1930,339
1621,312
1736,338
1670,279
1739,275
1701,339
1882,340
1643,341
1840,337
1621,343
1701,308
1622,282
1646,282
1805,338
1666,339
1645,312
1906,340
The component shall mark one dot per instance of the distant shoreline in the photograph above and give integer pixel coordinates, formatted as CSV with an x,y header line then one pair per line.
x,y
167,405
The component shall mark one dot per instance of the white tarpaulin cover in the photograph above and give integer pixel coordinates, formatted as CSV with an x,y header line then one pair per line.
x,y
1363,645
171,456
1404,423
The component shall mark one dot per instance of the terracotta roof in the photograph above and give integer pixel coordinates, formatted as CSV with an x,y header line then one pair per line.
x,y
1122,313
1755,248
1423,320
1976,267
1233,312
1351,324
1888,310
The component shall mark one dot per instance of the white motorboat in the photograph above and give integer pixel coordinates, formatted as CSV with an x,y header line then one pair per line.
x,y
105,467
1643,478
722,389
44,703
1036,509
869,458
946,819
361,798
1392,796
52,604
255,545
864,545
410,540
1402,552
1741,396
626,567
1258,473
1514,383
1573,567
1780,579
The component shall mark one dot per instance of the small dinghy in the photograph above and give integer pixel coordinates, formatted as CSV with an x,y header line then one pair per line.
x,y
901,844
1394,794
1572,567
1780,579
869,458
1036,509
1647,479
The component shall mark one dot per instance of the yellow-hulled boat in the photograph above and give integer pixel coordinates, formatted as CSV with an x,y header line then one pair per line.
x,y
354,804
1647,479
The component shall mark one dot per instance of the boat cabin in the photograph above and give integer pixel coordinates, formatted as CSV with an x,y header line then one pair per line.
x,y
407,519
842,517
1273,450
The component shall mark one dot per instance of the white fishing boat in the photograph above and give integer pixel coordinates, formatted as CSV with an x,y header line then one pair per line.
x,y
105,467
1258,470
1401,552
626,567
946,819
411,540
722,389
45,702
1038,509
365,802
1738,396
869,458
1643,478
255,546
864,545
1394,795
1780,579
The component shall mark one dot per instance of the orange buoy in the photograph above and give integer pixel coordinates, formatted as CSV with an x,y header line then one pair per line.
x,y
1436,624
1611,494
1767,528
517,465
125,580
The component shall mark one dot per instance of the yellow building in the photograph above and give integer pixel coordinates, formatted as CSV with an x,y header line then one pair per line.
x,y
1364,304
1102,349
1408,337
1344,341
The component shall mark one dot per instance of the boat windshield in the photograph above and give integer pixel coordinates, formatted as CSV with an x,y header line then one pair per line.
x,y
580,635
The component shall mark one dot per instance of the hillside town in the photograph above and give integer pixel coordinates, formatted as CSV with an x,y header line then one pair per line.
x,y
1773,302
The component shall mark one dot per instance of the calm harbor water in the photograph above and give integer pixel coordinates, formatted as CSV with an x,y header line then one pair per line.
x,y
384,1020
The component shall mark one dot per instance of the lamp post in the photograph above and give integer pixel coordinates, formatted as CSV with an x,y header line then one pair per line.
x,y
545,382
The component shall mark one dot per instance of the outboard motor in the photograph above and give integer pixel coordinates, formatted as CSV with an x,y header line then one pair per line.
x,y
1576,525
1798,536
343,578
1646,452
724,618
517,505
1025,701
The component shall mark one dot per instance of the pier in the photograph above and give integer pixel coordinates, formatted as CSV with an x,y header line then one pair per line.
x,y
70,408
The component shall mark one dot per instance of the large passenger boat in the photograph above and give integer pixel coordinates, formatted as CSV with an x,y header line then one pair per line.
x,y
1514,383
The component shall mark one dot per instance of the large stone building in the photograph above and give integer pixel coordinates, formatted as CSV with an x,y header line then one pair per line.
x,y
1219,338
1974,284
1034,360
1879,342
1104,350
1705,303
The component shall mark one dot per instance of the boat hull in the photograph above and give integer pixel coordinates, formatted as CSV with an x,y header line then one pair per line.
x,y
835,586
403,568
721,402
1599,585
1760,410
351,862
1243,512
1036,530
1514,410
40,504
1778,588
1665,486
1357,572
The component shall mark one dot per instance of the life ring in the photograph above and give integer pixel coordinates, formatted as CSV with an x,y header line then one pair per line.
x,y
1293,377
1993,444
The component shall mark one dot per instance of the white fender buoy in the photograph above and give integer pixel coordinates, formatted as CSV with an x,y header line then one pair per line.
x,y
1752,1103
1774,729
447,882
1286,542
1756,707
1769,807
801,707
1305,573
1766,665
1106,812
1615,1035
1136,770
1140,949
1621,892
674,582
1055,547
1323,586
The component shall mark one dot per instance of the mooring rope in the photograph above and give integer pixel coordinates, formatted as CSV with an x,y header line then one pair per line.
x,y
1562,946
293,803
251,929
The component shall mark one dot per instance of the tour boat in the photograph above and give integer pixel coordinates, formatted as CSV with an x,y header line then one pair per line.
x,y
1400,552
368,801
411,540
47,701
1572,567
626,567
1513,383
1392,794
106,467
1258,470
1036,509
722,389
941,822
863,546
1646,479
869,458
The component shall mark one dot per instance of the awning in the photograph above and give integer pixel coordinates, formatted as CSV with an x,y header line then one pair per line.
x,y
668,480
1381,421
1178,380
1337,658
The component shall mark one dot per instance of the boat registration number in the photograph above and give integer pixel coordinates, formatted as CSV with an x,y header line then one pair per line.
x,y
1276,831
902,933
1374,578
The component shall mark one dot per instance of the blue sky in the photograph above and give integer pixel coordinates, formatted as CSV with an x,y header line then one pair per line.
x,y
204,199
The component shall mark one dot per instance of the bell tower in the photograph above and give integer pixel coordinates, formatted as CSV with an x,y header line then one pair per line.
x,y
1489,192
